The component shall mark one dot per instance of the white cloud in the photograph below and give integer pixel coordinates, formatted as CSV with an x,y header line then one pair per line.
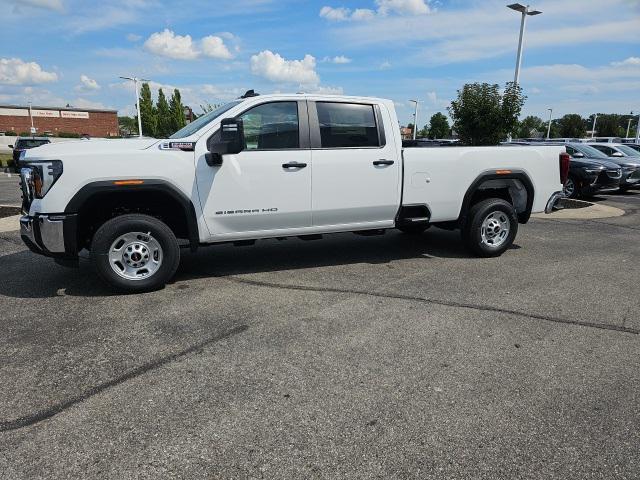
x,y
363,14
87,84
46,4
214,47
335,14
403,7
385,65
183,47
275,68
325,90
633,61
385,8
168,44
84,103
340,59
132,37
14,71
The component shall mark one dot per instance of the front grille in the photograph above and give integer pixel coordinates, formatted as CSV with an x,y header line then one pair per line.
x,y
614,173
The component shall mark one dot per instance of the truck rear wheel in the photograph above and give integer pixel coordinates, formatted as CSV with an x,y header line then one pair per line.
x,y
135,253
490,227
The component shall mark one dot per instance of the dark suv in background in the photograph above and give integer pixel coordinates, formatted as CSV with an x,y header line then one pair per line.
x,y
25,143
625,156
590,171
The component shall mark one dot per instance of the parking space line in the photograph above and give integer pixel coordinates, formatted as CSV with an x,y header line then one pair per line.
x,y
39,416
446,303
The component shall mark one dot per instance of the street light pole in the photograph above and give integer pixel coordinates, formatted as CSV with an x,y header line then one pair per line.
x,y
33,130
415,119
135,81
638,131
593,128
549,126
524,10
628,127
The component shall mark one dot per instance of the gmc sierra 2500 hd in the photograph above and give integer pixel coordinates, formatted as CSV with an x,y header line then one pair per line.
x,y
272,166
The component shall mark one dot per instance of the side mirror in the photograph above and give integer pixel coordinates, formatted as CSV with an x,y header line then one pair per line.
x,y
231,141
617,154
10,146
578,155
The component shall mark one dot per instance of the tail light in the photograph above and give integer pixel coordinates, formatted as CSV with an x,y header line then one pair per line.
x,y
565,158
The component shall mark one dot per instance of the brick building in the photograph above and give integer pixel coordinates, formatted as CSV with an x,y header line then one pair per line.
x,y
56,120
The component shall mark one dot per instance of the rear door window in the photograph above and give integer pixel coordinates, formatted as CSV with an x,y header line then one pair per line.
x,y
347,125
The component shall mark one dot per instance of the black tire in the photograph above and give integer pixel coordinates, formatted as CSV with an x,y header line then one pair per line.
x,y
575,192
413,229
159,234
472,227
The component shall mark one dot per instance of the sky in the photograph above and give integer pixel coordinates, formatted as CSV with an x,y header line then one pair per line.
x,y
580,56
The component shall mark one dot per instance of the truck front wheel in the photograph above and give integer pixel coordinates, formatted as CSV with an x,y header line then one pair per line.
x,y
135,253
490,227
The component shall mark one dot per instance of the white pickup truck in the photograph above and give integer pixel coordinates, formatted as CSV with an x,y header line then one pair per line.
x,y
272,166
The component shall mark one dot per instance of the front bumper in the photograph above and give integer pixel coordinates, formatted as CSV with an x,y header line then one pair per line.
x,y
552,204
52,235
630,178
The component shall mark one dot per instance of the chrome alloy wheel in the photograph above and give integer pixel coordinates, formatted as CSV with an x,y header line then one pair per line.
x,y
569,188
495,229
135,255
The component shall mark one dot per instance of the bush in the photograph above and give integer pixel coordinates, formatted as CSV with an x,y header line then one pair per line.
x,y
10,133
25,134
68,135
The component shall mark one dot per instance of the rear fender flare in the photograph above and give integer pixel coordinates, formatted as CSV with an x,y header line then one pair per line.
x,y
515,174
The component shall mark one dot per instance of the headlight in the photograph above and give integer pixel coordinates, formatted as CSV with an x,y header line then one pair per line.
x,y
44,173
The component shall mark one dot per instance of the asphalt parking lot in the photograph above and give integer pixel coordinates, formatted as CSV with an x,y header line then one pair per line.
x,y
9,189
385,357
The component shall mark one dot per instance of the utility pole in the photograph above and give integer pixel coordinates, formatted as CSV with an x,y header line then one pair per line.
x,y
524,10
415,119
593,128
549,126
33,129
135,81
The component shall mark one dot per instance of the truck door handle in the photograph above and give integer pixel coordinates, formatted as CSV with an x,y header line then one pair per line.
x,y
294,165
382,162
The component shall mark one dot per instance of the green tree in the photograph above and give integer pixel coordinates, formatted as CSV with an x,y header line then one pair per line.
x,y
572,125
609,125
147,112
164,126
128,125
531,127
177,111
439,126
484,116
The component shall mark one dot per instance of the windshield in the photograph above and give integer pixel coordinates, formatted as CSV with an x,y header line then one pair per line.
x,y
630,152
207,118
28,143
589,151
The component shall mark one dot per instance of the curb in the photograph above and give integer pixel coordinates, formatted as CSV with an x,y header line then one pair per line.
x,y
10,224
587,212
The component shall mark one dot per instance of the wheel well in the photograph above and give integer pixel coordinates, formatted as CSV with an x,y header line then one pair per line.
x,y
103,206
517,191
